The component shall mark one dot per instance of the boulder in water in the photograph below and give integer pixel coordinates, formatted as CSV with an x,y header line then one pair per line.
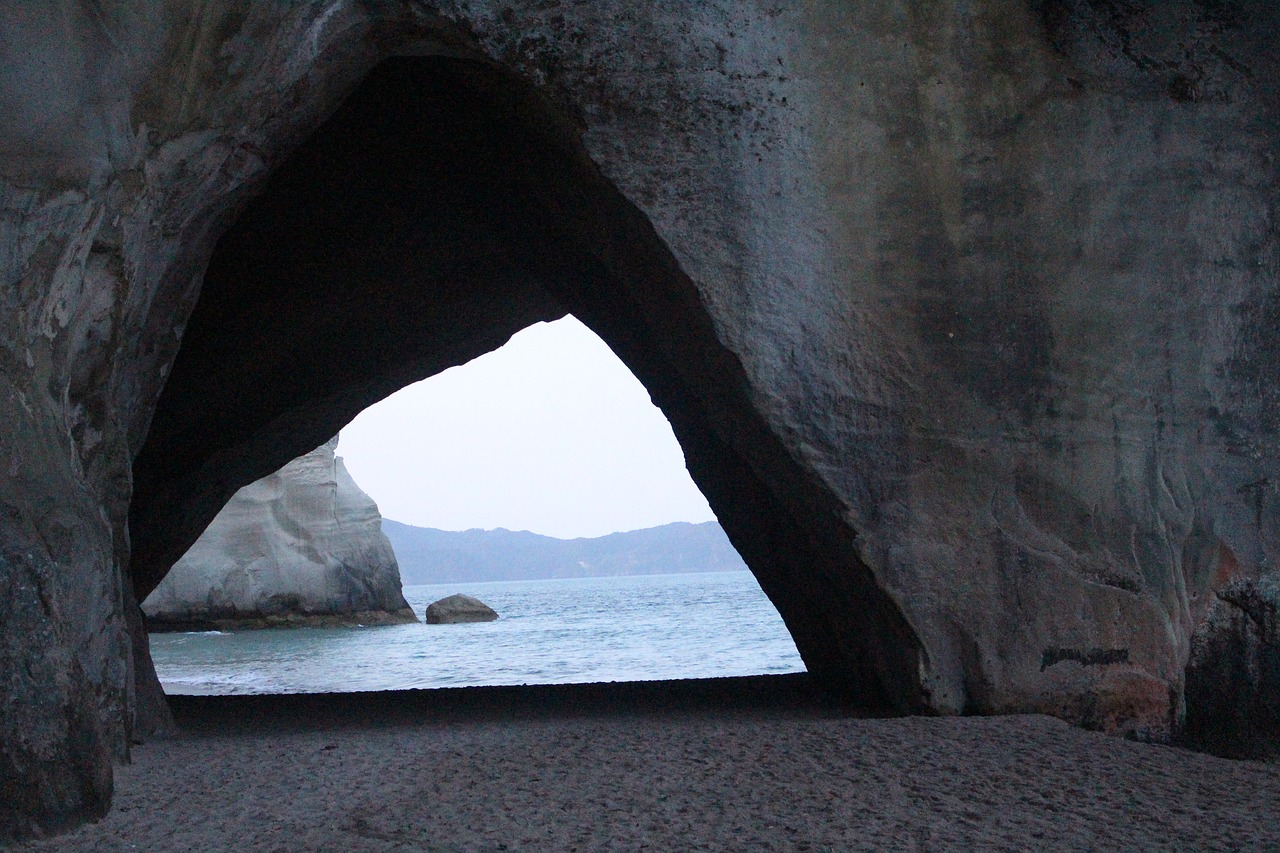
x,y
459,608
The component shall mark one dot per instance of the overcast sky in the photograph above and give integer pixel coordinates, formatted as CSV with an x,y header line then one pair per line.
x,y
550,433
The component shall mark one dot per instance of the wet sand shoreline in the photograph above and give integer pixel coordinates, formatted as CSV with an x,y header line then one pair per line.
x,y
758,763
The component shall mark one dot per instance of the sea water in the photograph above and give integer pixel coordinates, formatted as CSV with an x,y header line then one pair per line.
x,y
549,632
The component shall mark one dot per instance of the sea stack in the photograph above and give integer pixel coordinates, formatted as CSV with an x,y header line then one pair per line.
x,y
302,546
459,608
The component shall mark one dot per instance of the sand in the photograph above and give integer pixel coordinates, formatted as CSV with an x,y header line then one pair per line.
x,y
730,764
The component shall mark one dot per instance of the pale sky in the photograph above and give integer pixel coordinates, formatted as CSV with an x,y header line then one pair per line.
x,y
551,433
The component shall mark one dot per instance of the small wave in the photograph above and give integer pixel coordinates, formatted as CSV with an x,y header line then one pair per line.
x,y
204,633
183,679
225,684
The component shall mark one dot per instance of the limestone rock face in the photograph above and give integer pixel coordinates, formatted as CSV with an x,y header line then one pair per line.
x,y
302,546
455,609
966,314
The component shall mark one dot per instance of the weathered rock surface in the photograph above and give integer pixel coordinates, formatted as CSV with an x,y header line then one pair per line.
x,y
965,314
302,546
458,608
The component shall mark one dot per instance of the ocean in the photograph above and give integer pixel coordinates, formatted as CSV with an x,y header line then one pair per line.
x,y
549,632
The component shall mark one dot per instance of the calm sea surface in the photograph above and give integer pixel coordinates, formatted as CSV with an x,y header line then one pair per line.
x,y
550,632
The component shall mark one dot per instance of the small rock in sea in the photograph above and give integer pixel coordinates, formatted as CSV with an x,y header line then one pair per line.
x,y
459,608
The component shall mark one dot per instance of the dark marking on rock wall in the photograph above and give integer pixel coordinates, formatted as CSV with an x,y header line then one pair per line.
x,y
1257,493
1090,657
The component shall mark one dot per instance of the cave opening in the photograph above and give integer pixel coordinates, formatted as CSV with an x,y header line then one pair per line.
x,y
443,207
538,479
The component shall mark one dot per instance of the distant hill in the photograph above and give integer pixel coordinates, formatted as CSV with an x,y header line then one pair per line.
x,y
427,555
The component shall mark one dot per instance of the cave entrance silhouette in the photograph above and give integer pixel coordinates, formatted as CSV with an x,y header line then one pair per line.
x,y
443,207
549,433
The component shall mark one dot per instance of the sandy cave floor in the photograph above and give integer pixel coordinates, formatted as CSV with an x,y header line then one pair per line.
x,y
730,764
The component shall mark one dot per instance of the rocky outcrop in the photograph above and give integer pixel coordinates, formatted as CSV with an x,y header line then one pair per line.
x,y
966,315
1233,676
302,546
459,608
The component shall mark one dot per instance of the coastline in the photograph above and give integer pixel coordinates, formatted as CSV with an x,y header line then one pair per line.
x,y
366,618
757,763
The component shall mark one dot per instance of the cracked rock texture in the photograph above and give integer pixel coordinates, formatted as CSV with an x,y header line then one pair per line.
x,y
965,313
301,546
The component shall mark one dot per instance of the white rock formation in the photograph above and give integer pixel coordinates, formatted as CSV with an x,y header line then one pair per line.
x,y
301,546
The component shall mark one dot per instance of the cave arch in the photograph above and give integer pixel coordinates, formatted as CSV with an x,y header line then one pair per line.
x,y
444,206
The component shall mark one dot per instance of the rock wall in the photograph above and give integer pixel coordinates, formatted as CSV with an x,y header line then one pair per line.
x,y
302,546
965,312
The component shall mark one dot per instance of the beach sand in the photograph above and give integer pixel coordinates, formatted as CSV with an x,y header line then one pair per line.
x,y
724,764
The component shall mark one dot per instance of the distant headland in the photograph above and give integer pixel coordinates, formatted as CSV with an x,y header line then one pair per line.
x,y
428,556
